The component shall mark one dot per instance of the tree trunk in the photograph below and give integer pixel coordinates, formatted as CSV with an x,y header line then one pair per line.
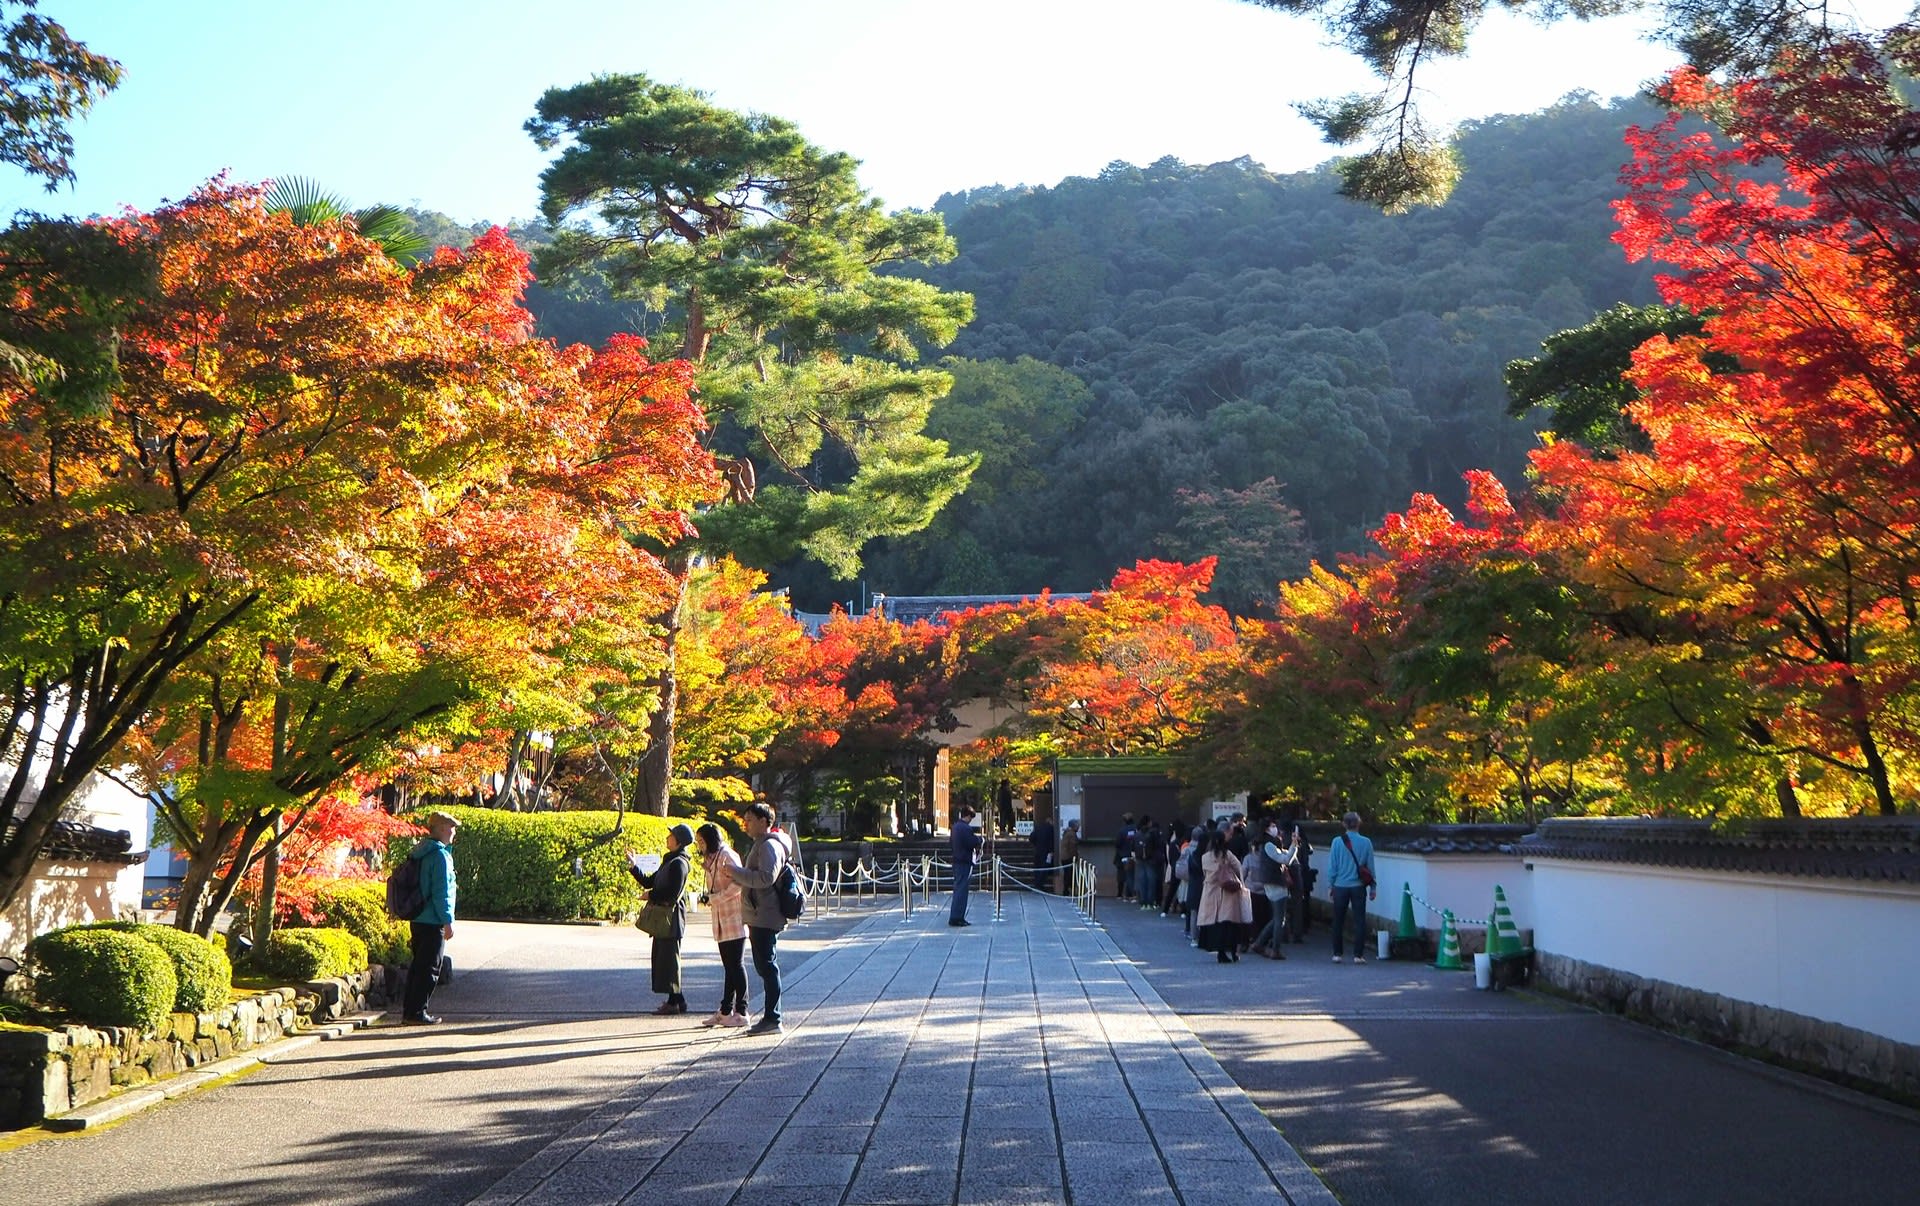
x,y
656,765
1869,747
265,907
1789,799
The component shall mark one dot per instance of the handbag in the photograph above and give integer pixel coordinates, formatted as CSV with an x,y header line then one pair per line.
x,y
1360,868
655,920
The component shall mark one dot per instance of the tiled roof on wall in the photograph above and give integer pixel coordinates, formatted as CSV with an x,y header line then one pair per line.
x,y
72,841
1875,849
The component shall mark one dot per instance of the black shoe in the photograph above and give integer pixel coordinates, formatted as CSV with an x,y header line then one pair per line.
x,y
958,921
420,1019
765,1026
1222,957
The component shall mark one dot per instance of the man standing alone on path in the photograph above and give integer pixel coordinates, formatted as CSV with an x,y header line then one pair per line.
x,y
772,851
966,844
432,926
1070,851
1350,875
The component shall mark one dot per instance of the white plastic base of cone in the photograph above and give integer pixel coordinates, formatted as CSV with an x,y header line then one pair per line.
x,y
1483,971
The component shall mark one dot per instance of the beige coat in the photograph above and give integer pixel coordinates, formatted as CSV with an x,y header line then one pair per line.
x,y
1216,903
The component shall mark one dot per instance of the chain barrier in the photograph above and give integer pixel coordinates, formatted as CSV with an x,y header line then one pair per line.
x,y
1429,906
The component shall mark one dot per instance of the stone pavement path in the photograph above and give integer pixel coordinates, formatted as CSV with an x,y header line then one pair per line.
x,y
1018,1061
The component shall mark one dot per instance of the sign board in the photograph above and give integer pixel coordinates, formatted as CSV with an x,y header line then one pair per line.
x,y
1223,810
1023,829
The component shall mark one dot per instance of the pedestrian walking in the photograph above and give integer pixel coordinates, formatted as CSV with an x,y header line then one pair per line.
x,y
772,850
1070,850
966,848
668,886
1350,875
1123,858
1224,908
432,927
724,903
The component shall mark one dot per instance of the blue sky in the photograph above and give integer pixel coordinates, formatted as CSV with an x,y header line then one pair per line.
x,y
421,101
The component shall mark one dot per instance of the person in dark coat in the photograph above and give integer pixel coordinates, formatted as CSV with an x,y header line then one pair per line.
x,y
1003,807
966,851
1042,839
668,886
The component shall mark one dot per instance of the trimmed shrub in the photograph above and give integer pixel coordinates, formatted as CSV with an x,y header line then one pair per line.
x,y
202,969
316,954
520,864
359,906
105,977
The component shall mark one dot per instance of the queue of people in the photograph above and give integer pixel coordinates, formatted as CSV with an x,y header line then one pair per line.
x,y
1243,888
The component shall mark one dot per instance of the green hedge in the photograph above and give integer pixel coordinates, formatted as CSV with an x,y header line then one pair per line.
x,y
316,954
359,906
520,864
106,977
201,969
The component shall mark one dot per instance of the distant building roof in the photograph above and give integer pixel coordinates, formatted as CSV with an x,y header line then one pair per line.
x,y
72,841
1882,849
910,609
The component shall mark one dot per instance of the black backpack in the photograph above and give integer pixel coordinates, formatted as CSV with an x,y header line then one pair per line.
x,y
787,889
405,897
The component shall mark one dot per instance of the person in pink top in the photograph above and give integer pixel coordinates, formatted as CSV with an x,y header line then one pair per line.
x,y
719,862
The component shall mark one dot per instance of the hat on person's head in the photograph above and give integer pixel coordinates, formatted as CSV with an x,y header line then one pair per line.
x,y
682,834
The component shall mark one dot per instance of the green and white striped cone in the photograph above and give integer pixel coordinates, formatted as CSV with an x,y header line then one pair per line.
x,y
1449,959
1503,936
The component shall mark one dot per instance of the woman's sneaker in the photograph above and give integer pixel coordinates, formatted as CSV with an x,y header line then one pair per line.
x,y
733,1019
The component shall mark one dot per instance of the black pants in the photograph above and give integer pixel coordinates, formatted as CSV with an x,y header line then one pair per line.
x,y
429,943
764,940
733,980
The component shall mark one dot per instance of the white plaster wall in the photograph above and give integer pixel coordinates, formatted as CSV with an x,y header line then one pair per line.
x,y
68,893
1835,950
1461,882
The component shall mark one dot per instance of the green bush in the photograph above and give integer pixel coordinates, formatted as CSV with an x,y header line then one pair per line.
x,y
105,977
316,954
202,970
359,906
520,864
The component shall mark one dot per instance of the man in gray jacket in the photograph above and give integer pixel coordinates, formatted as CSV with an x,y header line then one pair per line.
x,y
772,850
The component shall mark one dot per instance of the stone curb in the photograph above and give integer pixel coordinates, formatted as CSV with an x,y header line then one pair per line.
x,y
133,1101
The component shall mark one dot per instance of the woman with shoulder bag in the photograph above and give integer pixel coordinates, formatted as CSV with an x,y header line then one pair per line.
x,y
667,889
1224,906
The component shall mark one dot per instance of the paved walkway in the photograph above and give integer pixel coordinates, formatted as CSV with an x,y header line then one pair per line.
x,y
1023,1061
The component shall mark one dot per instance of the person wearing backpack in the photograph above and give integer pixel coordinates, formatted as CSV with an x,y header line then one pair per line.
x,y
772,850
432,926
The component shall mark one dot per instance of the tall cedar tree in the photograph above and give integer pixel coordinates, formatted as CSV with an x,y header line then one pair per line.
x,y
761,256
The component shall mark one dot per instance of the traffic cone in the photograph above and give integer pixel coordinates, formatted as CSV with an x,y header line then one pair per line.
x,y
1503,936
1449,959
1407,928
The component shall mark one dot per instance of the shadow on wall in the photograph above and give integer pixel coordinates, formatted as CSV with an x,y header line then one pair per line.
x,y
62,894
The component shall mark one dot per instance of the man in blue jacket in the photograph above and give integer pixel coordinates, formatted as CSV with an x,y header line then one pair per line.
x,y
1350,875
966,845
433,925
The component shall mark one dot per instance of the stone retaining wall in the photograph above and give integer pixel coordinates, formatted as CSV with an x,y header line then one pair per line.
x,y
1826,1049
44,1073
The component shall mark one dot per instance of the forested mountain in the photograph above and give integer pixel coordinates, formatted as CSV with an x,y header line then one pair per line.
x,y
1173,360
1232,326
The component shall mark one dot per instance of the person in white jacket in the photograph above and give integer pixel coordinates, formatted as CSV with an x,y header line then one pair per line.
x,y
1278,865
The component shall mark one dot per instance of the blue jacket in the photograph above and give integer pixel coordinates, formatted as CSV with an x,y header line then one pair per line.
x,y
1343,866
436,882
965,843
